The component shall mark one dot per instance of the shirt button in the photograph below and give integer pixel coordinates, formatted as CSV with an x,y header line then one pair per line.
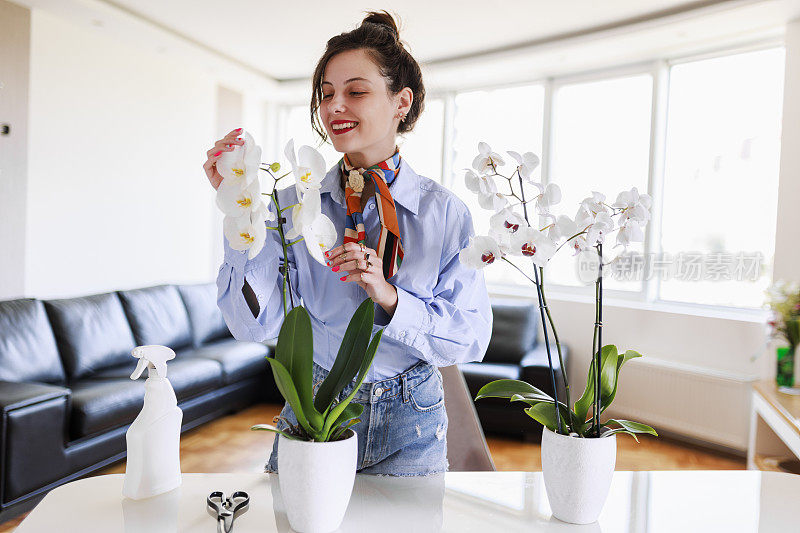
x,y
371,207
402,334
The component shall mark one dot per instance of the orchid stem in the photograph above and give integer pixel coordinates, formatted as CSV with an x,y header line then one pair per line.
x,y
286,280
540,294
520,271
570,423
288,207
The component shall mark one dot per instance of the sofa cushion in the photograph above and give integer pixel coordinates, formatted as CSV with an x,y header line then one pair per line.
x,y
92,333
205,317
157,316
479,374
239,359
514,329
28,349
111,399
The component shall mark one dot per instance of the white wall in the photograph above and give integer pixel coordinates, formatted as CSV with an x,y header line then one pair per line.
x,y
116,196
14,64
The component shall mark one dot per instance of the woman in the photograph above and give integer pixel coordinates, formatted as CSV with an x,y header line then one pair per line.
x,y
403,254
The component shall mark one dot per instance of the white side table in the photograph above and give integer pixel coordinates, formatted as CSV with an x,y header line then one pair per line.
x,y
774,427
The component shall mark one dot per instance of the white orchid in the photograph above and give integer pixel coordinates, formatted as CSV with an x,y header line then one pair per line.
x,y
526,163
241,164
480,184
530,242
603,224
562,227
243,234
481,251
308,167
595,203
493,201
486,159
503,225
629,233
548,196
634,206
319,233
236,201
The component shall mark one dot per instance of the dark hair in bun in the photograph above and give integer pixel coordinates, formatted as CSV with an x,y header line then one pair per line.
x,y
379,37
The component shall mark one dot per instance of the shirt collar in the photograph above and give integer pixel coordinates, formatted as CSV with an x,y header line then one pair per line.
x,y
405,187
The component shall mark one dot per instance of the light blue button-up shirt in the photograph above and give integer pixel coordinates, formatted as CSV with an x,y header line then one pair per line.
x,y
443,314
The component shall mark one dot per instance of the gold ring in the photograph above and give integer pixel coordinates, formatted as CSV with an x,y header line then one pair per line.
x,y
362,246
369,265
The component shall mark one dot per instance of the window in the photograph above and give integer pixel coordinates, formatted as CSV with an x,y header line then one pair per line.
x,y
508,119
423,145
600,142
721,177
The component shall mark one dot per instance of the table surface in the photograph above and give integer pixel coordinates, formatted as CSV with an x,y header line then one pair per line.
x,y
646,502
787,405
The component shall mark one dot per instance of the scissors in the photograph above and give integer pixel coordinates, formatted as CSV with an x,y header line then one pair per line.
x,y
226,510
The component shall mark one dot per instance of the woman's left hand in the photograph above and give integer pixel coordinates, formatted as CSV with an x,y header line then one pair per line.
x,y
351,259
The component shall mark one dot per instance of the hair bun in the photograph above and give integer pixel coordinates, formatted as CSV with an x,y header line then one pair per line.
x,y
383,18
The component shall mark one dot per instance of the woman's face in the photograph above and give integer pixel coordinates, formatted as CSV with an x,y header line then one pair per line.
x,y
357,110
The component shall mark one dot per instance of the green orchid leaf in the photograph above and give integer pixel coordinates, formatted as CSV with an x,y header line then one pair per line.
x,y
545,414
619,430
627,356
350,355
338,432
295,351
333,413
267,427
608,378
287,389
507,388
631,427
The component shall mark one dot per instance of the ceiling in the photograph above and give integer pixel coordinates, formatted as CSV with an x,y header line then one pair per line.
x,y
284,39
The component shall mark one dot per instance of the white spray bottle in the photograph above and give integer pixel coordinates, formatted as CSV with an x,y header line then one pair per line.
x,y
153,440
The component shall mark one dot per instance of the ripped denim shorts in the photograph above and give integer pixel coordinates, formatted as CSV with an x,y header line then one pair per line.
x,y
403,429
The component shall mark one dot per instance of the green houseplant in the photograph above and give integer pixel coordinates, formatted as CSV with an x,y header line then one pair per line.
x,y
320,418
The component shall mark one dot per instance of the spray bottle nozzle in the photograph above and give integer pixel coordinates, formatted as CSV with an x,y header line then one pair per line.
x,y
154,357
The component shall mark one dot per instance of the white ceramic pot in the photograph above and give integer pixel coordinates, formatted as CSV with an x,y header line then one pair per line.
x,y
316,480
577,475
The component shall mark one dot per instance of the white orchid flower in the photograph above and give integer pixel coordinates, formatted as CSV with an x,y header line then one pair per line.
x,y
562,227
579,244
503,225
595,203
486,159
308,167
629,233
262,213
241,164
526,163
548,196
482,250
479,184
603,224
318,231
530,242
243,234
235,200
635,206
492,201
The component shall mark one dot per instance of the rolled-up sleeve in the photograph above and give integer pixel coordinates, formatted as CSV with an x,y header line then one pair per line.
x,y
453,326
264,277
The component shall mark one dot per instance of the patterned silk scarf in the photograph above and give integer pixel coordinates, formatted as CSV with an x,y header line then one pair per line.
x,y
382,175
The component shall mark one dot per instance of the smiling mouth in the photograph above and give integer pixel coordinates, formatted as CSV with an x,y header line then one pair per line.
x,y
343,127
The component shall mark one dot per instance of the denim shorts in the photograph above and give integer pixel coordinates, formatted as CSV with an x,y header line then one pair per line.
x,y
403,429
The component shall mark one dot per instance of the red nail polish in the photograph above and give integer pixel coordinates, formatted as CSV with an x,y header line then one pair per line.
x,y
240,129
328,254
215,155
336,269
343,278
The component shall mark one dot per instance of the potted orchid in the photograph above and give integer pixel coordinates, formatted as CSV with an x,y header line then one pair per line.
x,y
317,456
578,448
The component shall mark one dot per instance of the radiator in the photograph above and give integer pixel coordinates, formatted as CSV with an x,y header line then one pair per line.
x,y
700,403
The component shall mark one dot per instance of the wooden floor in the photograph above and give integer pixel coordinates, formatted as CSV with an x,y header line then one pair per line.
x,y
228,445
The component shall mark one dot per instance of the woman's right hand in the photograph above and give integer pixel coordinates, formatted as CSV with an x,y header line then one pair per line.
x,y
225,144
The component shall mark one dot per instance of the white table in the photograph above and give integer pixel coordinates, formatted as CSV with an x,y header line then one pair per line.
x,y
508,502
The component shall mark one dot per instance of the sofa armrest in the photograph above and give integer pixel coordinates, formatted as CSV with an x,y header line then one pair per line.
x,y
32,429
535,370
14,395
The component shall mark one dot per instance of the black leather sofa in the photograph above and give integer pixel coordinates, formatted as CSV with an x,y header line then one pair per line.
x,y
66,395
514,352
